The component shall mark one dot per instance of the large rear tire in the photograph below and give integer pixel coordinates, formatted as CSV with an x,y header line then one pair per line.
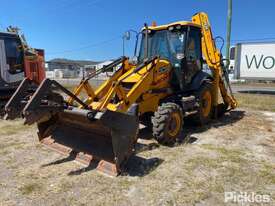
x,y
167,123
205,99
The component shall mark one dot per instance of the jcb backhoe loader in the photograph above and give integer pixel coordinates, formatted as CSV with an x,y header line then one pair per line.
x,y
166,83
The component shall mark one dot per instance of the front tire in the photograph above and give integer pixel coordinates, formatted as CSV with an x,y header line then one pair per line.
x,y
167,123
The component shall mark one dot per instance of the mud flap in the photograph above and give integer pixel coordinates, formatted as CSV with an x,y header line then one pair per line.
x,y
106,137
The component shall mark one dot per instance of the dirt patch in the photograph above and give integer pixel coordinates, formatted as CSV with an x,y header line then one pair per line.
x,y
235,153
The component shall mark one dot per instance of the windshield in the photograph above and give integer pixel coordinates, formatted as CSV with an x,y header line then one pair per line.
x,y
164,43
13,53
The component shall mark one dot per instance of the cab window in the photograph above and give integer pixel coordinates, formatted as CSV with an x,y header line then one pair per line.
x,y
193,55
14,55
194,46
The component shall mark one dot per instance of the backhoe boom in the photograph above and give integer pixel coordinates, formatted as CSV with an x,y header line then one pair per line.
x,y
214,60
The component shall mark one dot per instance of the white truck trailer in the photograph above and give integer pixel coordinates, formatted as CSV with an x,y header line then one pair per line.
x,y
253,61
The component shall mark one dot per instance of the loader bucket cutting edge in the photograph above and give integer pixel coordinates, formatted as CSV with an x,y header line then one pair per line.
x,y
108,139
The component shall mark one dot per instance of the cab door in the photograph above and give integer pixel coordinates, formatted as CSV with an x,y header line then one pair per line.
x,y
193,54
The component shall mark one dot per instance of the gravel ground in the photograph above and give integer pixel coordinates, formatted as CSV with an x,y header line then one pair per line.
x,y
234,153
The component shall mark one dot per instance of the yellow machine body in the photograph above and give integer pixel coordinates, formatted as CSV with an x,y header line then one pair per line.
x,y
106,119
157,77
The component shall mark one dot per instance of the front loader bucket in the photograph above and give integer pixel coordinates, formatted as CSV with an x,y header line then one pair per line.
x,y
107,137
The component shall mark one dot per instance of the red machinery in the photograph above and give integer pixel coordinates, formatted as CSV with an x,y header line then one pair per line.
x,y
17,62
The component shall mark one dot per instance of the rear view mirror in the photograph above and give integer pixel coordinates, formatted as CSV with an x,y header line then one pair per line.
x,y
127,35
134,60
180,56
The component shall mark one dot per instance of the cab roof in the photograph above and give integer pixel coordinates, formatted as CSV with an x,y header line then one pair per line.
x,y
8,34
166,26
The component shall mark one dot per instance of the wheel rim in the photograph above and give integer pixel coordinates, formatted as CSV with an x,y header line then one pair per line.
x,y
174,125
206,103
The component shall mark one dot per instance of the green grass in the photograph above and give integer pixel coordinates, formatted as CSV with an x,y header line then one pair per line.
x,y
267,172
233,168
256,101
234,155
12,127
16,145
30,188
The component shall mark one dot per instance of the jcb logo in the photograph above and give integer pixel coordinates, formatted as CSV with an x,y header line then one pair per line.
x,y
267,62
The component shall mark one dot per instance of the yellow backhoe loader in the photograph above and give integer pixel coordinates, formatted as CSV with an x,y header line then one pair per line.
x,y
166,83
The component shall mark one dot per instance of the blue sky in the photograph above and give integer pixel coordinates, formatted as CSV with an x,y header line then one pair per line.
x,y
92,29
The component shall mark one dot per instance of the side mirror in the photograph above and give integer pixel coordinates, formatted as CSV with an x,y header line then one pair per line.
x,y
134,60
180,56
127,35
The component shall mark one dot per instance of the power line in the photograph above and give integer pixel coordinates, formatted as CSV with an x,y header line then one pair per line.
x,y
64,5
92,2
85,47
119,37
259,39
74,4
250,40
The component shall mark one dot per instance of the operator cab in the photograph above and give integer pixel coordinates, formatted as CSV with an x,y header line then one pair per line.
x,y
180,44
11,52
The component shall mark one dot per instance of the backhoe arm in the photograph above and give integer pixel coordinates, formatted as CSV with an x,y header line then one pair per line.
x,y
213,59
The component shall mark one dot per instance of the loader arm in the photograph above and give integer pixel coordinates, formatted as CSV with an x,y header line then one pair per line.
x,y
126,99
101,91
213,59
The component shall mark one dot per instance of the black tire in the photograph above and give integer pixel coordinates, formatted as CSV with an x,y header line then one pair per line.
x,y
167,123
205,99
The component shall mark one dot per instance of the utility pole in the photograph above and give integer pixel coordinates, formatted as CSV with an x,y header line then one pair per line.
x,y
228,34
